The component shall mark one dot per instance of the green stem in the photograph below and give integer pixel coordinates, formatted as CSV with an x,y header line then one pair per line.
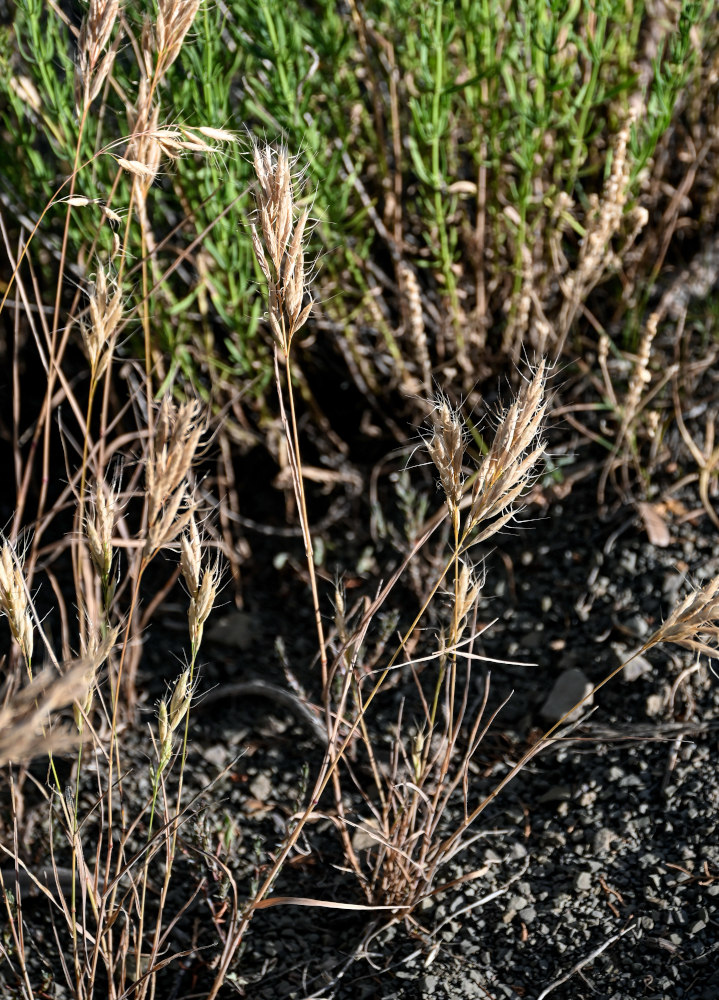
x,y
437,179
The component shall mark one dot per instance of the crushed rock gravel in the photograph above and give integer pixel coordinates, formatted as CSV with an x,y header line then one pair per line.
x,y
600,860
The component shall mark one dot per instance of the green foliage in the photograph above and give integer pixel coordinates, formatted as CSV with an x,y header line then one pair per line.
x,y
417,100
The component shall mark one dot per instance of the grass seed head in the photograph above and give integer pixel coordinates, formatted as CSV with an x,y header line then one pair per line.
x,y
202,603
163,727
99,528
446,448
26,715
105,311
191,557
25,89
279,241
697,615
468,590
91,71
95,653
168,719
13,600
177,436
506,470
180,701
174,20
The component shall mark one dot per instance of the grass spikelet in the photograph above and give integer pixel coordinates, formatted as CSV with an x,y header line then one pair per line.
x,y
504,471
14,602
446,448
280,238
105,310
90,72
469,587
177,436
170,717
136,168
174,20
696,615
25,716
603,223
100,521
26,90
202,582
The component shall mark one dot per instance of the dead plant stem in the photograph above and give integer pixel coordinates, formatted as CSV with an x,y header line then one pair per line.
x,y
327,769
304,520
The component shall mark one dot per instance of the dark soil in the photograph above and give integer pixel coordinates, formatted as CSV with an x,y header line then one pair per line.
x,y
600,860
606,846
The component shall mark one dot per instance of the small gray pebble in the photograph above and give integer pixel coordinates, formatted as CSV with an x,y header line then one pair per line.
x,y
569,689
636,668
583,882
654,705
261,787
602,840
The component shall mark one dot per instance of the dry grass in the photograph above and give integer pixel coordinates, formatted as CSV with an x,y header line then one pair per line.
x,y
28,728
130,494
125,518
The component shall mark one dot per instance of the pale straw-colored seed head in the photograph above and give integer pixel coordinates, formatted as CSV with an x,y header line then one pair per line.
x,y
170,717
26,715
100,526
96,29
137,168
279,242
180,701
469,587
202,602
110,215
95,652
91,70
506,470
217,134
696,616
13,600
105,312
446,448
25,89
191,556
81,710
174,20
177,436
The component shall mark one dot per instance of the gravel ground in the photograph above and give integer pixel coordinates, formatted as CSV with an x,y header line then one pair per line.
x,y
602,856
600,860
